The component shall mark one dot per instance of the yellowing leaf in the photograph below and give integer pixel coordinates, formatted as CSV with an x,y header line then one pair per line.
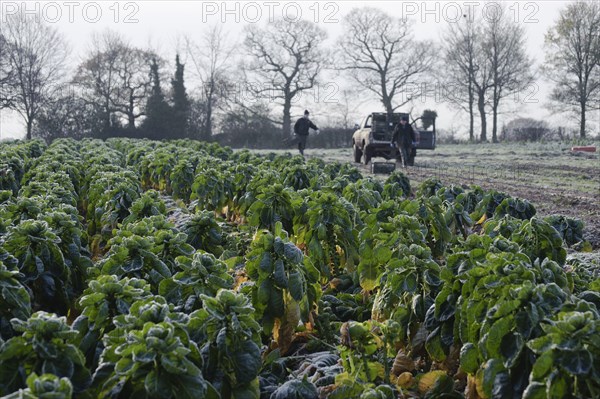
x,y
405,380
428,380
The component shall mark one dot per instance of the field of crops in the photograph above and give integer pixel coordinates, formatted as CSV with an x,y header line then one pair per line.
x,y
140,269
555,179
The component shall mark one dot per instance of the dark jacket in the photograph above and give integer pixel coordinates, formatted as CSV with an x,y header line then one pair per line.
x,y
302,125
404,135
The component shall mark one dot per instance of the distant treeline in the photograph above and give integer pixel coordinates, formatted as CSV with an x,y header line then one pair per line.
x,y
250,92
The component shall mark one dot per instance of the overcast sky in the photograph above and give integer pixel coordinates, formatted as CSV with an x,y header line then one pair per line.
x,y
161,24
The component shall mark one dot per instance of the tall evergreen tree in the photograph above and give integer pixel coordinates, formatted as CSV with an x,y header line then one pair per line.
x,y
159,115
181,103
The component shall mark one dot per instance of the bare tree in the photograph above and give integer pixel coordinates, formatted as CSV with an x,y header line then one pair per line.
x,y
98,76
35,58
211,59
116,79
7,75
482,82
383,57
286,59
485,60
510,67
573,59
67,115
461,69
134,74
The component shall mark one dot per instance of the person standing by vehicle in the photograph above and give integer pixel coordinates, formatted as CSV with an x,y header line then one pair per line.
x,y
404,137
301,130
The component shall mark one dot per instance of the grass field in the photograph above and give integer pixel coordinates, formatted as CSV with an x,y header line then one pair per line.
x,y
549,175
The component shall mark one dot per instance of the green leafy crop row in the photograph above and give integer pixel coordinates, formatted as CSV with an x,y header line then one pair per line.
x,y
134,268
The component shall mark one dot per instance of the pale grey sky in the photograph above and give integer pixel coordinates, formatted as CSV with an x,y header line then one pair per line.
x,y
161,24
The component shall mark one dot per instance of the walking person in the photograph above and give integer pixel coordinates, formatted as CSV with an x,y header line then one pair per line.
x,y
301,130
404,137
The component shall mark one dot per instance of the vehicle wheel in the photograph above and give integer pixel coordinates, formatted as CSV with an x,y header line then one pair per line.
x,y
357,153
366,156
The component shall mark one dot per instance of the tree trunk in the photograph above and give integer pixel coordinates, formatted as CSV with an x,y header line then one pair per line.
x,y
287,119
582,122
481,106
29,128
495,123
387,103
130,115
130,121
209,109
385,98
107,121
471,114
208,129
495,95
